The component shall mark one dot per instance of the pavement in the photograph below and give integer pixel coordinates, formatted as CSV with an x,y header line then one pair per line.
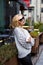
x,y
40,60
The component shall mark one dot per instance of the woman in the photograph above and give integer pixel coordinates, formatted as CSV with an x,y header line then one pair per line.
x,y
24,41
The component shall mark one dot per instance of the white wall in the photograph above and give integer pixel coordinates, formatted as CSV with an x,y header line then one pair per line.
x,y
41,13
38,8
36,4
33,3
42,17
26,14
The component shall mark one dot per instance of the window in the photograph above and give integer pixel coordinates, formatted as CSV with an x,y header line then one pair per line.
x,y
41,9
41,1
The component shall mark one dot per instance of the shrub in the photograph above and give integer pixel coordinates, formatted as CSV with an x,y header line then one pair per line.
x,y
7,52
34,34
41,28
27,22
36,25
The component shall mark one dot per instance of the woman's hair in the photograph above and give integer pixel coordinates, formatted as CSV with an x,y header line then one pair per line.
x,y
15,19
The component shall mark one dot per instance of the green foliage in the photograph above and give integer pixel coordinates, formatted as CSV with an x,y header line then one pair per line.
x,y
27,22
41,28
36,25
34,34
7,52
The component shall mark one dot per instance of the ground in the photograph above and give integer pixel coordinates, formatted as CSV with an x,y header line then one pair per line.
x,y
36,57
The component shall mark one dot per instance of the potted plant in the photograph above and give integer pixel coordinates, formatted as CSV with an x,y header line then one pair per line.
x,y
34,34
8,55
35,48
41,28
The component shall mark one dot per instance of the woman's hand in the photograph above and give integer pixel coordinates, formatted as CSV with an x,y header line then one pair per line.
x,y
28,40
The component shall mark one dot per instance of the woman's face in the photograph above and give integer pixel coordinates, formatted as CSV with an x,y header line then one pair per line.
x,y
21,20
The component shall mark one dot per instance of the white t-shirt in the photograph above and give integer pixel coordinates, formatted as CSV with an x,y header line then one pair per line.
x,y
21,35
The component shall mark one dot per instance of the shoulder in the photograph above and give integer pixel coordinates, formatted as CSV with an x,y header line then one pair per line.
x,y
17,30
26,31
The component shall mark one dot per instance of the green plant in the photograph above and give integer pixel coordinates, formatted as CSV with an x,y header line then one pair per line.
x,y
41,28
7,52
34,34
27,22
36,25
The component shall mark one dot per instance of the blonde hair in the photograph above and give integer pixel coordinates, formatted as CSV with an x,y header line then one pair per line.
x,y
15,19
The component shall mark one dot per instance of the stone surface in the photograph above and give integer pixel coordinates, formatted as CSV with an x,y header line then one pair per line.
x,y
38,58
40,61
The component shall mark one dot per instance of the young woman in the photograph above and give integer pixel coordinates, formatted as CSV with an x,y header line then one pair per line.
x,y
24,41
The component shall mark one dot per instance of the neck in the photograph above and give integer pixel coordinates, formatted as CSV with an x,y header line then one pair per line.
x,y
20,26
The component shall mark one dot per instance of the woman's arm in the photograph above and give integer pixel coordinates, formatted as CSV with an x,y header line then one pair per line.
x,y
21,38
29,39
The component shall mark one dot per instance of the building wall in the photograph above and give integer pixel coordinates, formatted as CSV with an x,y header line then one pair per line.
x,y
38,9
36,4
11,9
33,4
41,12
2,21
7,10
26,14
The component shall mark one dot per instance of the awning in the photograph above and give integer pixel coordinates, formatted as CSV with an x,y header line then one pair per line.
x,y
27,2
22,4
31,8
